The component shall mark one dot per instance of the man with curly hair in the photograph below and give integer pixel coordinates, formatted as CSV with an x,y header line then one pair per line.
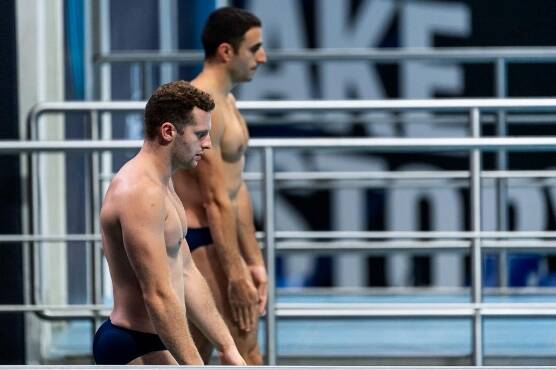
x,y
156,284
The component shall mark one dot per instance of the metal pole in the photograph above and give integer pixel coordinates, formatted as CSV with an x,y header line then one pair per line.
x,y
168,37
95,261
91,46
270,255
502,165
35,212
382,55
104,161
476,275
147,79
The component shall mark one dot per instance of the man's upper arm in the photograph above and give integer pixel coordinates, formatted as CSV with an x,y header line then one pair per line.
x,y
210,170
142,221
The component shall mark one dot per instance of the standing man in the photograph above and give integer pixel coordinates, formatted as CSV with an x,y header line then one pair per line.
x,y
156,284
216,199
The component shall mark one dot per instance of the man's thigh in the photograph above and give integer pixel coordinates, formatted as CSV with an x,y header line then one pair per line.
x,y
206,259
155,358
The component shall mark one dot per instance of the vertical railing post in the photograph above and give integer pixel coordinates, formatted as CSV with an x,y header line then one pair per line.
x,y
269,225
94,262
104,160
167,39
502,165
35,212
147,79
476,260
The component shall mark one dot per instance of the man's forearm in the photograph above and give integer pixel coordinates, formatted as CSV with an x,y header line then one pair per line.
x,y
169,320
222,223
241,290
246,229
249,246
203,312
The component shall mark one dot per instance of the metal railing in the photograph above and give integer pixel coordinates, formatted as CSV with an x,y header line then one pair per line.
x,y
499,57
476,309
473,240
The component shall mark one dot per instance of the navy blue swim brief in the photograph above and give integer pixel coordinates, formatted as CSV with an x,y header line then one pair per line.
x,y
114,345
198,237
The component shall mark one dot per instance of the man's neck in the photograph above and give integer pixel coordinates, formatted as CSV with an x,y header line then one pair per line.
x,y
156,160
215,78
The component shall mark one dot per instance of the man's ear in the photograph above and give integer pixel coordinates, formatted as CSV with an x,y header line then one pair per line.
x,y
225,51
167,132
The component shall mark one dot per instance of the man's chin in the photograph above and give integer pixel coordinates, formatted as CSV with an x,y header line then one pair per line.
x,y
249,77
189,165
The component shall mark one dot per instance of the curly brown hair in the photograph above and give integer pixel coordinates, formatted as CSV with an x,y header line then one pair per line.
x,y
173,102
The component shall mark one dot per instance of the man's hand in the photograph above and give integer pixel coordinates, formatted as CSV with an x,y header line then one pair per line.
x,y
231,356
243,298
258,273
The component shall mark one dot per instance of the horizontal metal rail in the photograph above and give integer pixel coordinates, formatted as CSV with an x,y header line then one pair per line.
x,y
411,234
397,175
15,238
440,105
394,179
287,106
383,55
360,310
355,245
453,119
357,240
369,144
389,176
347,245
410,291
340,310
410,246
373,247
320,235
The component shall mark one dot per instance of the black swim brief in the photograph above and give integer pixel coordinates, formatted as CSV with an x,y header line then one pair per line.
x,y
198,237
114,345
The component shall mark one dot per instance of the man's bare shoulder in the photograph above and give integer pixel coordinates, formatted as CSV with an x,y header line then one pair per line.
x,y
131,187
208,84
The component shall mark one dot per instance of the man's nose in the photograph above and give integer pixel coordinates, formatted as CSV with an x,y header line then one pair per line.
x,y
261,56
207,143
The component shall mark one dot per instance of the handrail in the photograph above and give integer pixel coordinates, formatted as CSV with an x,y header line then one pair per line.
x,y
488,104
382,55
320,235
352,242
474,145
337,310
370,144
395,178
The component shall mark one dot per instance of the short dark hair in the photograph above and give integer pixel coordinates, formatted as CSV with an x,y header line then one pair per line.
x,y
173,102
227,24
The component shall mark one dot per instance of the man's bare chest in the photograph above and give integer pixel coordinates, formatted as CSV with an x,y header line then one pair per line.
x,y
233,143
175,225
